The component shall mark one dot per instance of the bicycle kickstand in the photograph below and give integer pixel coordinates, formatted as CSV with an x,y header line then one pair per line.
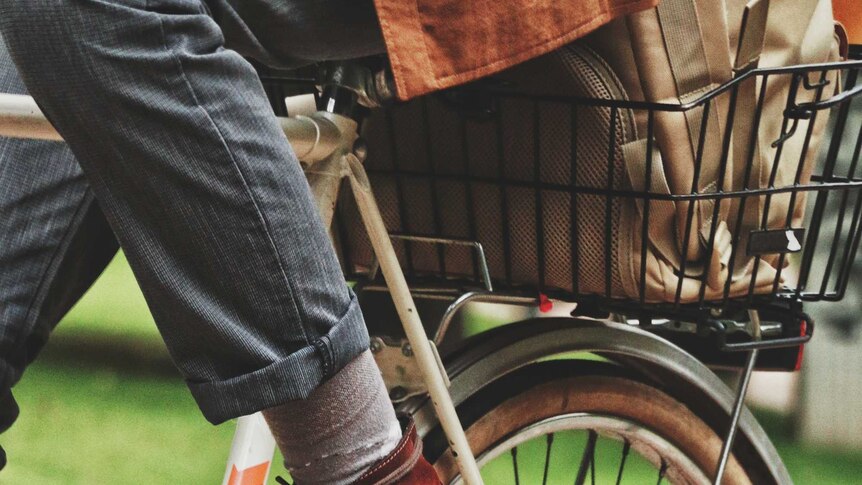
x,y
739,402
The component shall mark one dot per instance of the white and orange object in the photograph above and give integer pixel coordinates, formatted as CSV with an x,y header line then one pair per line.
x,y
849,13
251,452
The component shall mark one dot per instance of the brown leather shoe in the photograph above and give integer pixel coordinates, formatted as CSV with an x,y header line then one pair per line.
x,y
405,465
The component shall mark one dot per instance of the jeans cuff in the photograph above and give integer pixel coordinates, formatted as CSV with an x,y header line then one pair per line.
x,y
291,378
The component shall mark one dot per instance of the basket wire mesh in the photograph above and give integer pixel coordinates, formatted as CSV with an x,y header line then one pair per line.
x,y
482,178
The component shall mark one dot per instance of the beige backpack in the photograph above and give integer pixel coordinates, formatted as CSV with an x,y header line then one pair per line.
x,y
675,54
502,173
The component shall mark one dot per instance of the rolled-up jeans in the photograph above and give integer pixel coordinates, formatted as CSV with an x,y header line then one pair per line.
x,y
173,148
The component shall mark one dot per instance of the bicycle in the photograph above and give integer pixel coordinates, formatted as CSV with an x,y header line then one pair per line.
x,y
631,372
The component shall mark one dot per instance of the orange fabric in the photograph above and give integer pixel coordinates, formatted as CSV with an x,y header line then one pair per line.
x,y
849,13
435,44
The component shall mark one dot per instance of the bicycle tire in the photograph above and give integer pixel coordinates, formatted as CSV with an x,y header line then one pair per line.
x,y
493,417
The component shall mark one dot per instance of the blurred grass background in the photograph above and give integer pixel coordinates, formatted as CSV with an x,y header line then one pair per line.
x,y
103,405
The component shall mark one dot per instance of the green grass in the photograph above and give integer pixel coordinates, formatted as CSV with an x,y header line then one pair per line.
x,y
81,425
103,406
113,308
810,465
82,422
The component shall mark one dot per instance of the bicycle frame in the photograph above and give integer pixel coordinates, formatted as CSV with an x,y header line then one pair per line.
x,y
324,143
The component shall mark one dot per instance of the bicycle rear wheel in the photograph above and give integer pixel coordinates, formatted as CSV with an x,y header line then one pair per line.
x,y
589,429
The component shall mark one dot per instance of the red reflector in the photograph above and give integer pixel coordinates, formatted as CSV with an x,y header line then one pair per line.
x,y
545,303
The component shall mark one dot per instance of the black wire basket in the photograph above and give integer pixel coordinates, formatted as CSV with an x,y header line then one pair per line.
x,y
492,186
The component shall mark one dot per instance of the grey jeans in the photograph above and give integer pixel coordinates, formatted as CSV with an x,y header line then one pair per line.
x,y
173,149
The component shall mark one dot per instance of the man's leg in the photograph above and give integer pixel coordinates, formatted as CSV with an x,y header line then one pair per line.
x,y
54,242
204,193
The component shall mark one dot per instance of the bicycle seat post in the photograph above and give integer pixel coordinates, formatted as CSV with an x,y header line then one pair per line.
x,y
348,86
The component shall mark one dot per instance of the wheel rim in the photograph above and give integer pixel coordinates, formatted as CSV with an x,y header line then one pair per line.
x,y
528,453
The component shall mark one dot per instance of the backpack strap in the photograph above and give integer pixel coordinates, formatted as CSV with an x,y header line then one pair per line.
x,y
746,147
662,213
681,49
687,56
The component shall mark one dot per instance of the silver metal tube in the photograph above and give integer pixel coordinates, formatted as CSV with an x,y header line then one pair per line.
x,y
400,291
313,138
477,246
324,179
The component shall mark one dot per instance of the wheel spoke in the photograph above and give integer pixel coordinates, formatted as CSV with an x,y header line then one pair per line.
x,y
626,448
587,458
548,444
586,430
514,453
661,472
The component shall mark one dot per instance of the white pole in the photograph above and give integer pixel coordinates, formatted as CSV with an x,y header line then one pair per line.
x,y
313,138
250,453
400,291
20,117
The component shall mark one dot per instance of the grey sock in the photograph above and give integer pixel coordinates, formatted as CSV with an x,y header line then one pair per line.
x,y
342,429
